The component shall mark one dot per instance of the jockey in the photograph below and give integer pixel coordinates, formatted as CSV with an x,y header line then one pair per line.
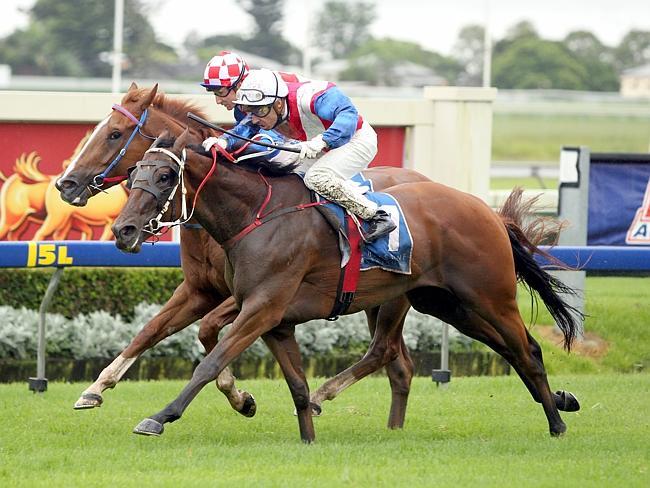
x,y
223,76
330,131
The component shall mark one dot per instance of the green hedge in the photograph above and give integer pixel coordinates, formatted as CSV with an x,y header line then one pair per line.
x,y
85,290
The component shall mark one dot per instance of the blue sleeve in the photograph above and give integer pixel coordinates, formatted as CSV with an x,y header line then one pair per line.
x,y
244,128
335,106
270,137
239,115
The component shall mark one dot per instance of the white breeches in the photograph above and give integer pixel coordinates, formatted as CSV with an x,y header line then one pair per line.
x,y
329,173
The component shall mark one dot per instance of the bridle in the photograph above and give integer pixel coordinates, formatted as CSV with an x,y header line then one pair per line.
x,y
156,224
101,178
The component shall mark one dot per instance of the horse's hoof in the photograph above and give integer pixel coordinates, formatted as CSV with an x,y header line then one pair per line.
x,y
250,407
558,431
149,427
566,401
316,410
88,400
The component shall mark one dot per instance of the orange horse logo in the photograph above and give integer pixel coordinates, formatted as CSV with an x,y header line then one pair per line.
x,y
29,196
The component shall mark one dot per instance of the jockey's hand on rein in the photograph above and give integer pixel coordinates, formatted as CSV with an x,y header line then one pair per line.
x,y
310,149
211,141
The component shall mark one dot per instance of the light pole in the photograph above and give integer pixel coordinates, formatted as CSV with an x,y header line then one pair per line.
x,y
487,48
118,28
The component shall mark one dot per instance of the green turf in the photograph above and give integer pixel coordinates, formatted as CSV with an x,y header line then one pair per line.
x,y
617,311
528,183
530,137
479,432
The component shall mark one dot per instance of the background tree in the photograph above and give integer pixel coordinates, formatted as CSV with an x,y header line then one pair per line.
x,y
634,50
520,31
375,62
266,39
596,58
344,26
468,51
535,63
68,37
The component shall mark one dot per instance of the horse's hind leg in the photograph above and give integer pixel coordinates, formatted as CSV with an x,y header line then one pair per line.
x,y
241,401
282,343
508,323
386,347
505,334
399,371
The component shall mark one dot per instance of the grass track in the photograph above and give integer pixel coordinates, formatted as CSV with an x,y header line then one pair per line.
x,y
534,137
479,432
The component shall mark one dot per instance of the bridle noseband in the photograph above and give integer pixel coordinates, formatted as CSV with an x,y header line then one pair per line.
x,y
100,179
155,224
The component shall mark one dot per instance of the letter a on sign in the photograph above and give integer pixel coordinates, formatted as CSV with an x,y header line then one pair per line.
x,y
639,231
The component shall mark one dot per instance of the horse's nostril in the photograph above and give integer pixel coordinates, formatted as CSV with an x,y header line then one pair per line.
x,y
66,184
127,231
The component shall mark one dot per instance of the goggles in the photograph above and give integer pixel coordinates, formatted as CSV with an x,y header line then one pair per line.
x,y
257,110
221,91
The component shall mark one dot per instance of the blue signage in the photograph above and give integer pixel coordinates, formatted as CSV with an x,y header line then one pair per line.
x,y
619,200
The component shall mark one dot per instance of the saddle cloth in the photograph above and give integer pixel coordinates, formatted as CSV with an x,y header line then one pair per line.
x,y
391,252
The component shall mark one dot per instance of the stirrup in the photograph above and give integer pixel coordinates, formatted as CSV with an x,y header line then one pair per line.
x,y
380,224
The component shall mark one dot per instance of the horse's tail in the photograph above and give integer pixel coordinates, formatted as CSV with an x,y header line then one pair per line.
x,y
525,241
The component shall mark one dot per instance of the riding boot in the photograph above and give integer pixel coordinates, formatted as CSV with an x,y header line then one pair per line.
x,y
379,225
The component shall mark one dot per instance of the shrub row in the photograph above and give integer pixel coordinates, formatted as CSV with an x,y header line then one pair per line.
x,y
86,290
102,335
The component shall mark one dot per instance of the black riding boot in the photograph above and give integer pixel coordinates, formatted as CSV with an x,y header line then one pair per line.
x,y
379,225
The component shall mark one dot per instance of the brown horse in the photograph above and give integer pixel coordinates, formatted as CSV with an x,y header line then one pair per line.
x,y
465,265
202,258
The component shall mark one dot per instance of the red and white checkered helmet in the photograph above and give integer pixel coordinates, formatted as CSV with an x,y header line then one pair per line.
x,y
225,69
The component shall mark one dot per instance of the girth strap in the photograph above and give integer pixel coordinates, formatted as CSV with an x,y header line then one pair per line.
x,y
349,277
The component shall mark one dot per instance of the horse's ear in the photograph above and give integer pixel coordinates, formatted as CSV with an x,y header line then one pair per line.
x,y
163,135
133,86
182,140
148,98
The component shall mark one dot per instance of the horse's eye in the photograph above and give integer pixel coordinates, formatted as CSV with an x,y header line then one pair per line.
x,y
115,135
164,178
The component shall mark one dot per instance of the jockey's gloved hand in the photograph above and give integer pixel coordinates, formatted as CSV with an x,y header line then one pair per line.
x,y
310,149
211,141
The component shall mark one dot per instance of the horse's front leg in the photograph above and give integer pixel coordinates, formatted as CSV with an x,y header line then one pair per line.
x,y
184,307
257,317
241,401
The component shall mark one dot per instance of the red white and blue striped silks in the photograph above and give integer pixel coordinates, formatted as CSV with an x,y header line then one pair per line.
x,y
314,107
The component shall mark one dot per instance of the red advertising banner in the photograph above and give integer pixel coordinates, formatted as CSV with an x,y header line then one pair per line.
x,y
35,154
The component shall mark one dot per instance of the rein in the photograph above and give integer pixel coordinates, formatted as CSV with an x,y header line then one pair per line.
x,y
100,179
155,225
262,218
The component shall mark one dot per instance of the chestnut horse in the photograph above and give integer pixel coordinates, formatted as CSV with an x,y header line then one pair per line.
x,y
465,265
203,287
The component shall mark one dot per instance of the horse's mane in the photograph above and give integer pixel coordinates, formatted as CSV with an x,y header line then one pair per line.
x,y
267,167
178,108
26,167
